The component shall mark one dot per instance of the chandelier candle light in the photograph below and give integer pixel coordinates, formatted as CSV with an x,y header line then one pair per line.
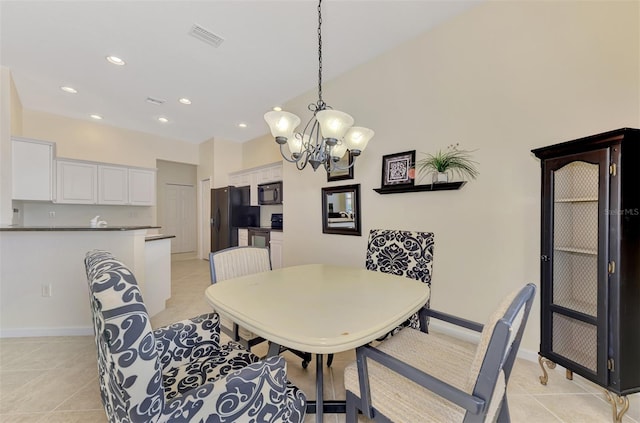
x,y
326,137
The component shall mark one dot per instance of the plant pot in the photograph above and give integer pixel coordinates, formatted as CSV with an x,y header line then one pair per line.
x,y
440,178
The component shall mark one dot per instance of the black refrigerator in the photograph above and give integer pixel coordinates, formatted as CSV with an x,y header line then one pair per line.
x,y
230,210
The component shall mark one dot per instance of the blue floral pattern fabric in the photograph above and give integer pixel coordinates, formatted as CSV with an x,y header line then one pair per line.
x,y
179,372
402,253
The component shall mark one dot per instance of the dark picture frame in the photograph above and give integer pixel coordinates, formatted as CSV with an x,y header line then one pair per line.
x,y
340,174
341,210
396,169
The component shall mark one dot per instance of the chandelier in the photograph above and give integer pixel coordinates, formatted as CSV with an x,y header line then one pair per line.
x,y
326,137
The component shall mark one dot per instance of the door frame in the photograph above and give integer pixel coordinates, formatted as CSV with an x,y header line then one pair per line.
x,y
204,222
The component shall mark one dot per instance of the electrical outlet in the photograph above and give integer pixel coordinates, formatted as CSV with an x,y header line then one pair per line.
x,y
47,290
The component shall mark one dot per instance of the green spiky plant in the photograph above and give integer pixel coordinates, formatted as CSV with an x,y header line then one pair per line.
x,y
452,160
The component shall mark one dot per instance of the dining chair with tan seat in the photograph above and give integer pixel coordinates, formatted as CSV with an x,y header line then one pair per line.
x,y
431,377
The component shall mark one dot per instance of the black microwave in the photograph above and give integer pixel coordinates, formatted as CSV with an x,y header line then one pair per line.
x,y
270,193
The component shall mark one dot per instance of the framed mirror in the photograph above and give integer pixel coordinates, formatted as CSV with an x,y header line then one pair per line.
x,y
341,210
342,174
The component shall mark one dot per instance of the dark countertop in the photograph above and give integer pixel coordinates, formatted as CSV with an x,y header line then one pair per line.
x,y
158,237
72,228
263,228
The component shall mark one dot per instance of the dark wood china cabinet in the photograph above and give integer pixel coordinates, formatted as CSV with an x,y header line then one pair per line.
x,y
590,262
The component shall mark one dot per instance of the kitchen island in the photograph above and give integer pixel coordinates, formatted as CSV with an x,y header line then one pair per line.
x,y
43,284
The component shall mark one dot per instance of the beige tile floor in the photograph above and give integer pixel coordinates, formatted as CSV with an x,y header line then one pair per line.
x,y
53,379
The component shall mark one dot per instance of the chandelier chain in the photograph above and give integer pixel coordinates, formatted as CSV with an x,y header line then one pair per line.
x,y
320,102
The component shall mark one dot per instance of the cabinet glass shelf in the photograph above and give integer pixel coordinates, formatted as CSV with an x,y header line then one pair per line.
x,y
584,307
576,250
577,200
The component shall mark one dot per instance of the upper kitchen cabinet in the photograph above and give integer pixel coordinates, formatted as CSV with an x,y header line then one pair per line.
x,y
271,173
113,185
77,182
32,169
142,187
82,182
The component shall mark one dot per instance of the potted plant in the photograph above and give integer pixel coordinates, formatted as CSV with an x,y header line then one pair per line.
x,y
446,162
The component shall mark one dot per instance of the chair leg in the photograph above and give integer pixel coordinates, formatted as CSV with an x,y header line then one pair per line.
x,y
329,360
503,413
351,408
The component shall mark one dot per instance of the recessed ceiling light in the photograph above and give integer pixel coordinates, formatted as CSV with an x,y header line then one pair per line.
x,y
185,101
115,60
277,109
163,119
96,117
69,90
242,125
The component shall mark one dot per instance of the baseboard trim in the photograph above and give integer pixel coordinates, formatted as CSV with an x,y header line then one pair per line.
x,y
40,332
472,336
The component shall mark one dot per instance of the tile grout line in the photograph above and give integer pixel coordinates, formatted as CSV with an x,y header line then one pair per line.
x,y
546,408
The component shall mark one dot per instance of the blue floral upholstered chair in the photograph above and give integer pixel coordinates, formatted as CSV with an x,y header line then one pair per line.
x,y
181,372
403,253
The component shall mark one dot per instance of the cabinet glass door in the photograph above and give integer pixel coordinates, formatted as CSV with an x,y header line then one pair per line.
x,y
579,195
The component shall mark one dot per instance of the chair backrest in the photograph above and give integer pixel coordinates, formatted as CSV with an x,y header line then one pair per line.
x,y
498,347
238,261
404,253
128,366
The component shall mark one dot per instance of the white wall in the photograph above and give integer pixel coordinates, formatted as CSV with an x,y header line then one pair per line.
x,y
227,157
10,124
502,78
37,213
89,140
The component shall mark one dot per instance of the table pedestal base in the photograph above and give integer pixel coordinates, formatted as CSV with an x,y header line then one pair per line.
x,y
319,406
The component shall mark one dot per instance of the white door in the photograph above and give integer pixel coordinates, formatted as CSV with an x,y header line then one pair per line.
x,y
180,217
205,213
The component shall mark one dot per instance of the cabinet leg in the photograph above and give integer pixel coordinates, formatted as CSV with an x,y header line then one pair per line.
x,y
617,401
569,374
550,364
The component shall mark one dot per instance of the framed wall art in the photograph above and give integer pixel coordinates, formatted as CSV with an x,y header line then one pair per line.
x,y
342,174
398,169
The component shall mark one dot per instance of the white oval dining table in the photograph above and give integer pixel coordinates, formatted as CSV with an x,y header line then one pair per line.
x,y
318,308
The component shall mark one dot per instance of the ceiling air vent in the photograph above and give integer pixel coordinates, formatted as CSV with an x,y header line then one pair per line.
x,y
206,35
156,101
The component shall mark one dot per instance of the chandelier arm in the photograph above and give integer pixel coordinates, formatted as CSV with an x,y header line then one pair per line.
x,y
334,166
284,156
301,164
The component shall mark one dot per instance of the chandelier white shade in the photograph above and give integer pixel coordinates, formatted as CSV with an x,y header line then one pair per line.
x,y
326,137
282,123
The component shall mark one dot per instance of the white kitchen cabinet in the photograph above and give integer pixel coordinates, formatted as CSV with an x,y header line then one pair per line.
x,y
275,245
32,169
77,182
113,185
270,173
255,176
142,187
243,237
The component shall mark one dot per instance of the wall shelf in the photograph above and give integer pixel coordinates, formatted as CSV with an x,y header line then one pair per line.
x,y
418,188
